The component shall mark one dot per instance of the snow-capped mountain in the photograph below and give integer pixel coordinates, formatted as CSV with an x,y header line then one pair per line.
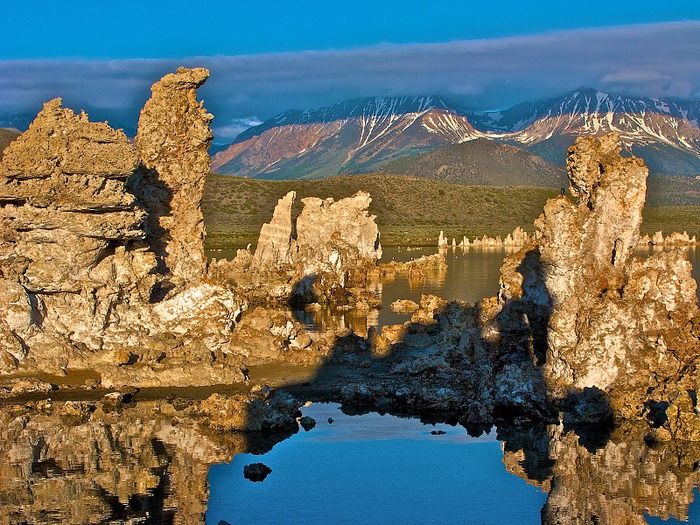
x,y
361,135
583,101
15,121
350,137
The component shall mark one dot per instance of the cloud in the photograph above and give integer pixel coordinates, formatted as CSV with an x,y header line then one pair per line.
x,y
649,60
234,127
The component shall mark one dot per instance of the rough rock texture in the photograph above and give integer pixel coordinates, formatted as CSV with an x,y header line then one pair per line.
x,y
105,462
172,141
276,237
101,257
267,335
317,256
605,318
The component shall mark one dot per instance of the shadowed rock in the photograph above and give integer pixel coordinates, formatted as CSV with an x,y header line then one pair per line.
x,y
612,320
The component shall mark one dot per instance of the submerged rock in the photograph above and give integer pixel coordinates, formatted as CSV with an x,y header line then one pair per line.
x,y
307,423
256,471
404,306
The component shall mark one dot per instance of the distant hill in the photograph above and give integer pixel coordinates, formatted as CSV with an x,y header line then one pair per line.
x,y
480,162
406,207
412,210
6,136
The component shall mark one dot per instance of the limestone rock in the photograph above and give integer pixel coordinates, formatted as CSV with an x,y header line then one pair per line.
x,y
248,413
172,140
517,238
102,257
404,306
317,256
276,237
608,319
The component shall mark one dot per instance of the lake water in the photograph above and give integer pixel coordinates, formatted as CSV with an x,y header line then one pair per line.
x,y
472,275
383,469
375,469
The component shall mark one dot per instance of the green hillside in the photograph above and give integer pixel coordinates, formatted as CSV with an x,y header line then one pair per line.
x,y
480,162
6,136
409,210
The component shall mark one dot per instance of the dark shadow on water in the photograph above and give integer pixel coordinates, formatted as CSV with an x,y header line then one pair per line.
x,y
149,460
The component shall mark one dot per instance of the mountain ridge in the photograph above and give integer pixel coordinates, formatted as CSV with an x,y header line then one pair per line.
x,y
361,135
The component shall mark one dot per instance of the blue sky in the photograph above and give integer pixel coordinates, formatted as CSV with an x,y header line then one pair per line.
x,y
267,57
174,28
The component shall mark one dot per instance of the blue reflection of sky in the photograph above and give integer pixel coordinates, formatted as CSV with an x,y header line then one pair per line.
x,y
375,469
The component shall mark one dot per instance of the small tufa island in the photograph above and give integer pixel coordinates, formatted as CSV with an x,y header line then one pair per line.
x,y
103,273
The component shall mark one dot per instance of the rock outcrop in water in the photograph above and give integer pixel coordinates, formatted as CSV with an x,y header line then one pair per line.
x,y
319,255
102,247
608,320
516,239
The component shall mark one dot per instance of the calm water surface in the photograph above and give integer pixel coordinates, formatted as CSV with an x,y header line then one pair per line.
x,y
375,469
383,469
472,275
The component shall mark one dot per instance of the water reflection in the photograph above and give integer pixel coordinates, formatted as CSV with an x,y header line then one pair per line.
x,y
472,274
361,468
151,461
95,463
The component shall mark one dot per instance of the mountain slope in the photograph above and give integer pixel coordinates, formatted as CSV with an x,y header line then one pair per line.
x,y
361,135
351,137
6,136
664,132
582,101
480,162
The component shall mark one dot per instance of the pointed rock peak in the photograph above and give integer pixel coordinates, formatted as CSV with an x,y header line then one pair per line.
x,y
172,140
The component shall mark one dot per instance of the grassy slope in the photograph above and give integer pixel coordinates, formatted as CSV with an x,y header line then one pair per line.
x,y
409,210
480,162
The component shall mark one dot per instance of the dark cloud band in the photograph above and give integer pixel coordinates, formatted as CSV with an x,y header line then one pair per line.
x,y
648,60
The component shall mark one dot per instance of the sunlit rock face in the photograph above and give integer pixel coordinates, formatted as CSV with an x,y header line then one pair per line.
x,y
172,141
318,255
101,247
110,462
612,321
